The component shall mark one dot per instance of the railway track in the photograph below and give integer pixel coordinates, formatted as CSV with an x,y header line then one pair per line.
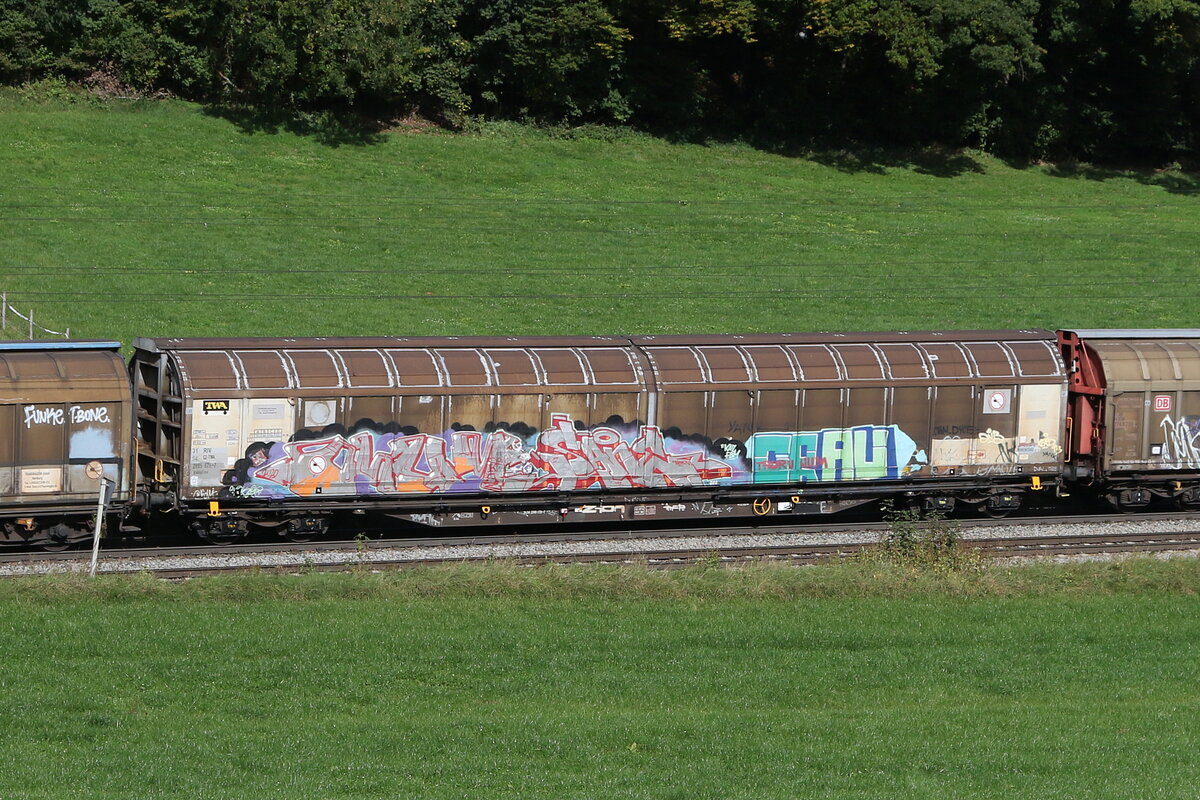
x,y
716,546
744,556
381,539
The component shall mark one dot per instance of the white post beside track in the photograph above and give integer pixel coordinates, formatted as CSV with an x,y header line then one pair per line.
x,y
101,504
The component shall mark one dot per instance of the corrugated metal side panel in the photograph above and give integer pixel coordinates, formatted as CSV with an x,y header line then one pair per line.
x,y
1152,386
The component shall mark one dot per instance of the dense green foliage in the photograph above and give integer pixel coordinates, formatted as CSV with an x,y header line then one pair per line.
x,y
1055,682
1092,79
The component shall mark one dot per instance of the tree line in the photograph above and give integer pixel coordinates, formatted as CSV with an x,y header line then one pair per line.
x,y
1096,80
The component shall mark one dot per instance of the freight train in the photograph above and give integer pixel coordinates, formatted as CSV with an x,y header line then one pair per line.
x,y
297,436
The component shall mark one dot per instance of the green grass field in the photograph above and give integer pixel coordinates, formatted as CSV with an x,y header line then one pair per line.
x,y
838,682
157,219
842,682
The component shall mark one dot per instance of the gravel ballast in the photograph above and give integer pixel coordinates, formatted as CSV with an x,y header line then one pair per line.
x,y
114,563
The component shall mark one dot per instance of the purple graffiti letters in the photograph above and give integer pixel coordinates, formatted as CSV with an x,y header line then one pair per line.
x,y
560,458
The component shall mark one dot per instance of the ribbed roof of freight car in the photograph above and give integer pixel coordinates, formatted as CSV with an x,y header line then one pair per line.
x,y
1134,359
834,337
324,343
58,344
690,363
420,364
371,342
674,363
1136,333
47,371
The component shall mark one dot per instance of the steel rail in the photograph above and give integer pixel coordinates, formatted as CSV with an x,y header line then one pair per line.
x,y
796,554
123,550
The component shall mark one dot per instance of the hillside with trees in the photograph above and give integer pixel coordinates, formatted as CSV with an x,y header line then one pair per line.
x,y
1097,80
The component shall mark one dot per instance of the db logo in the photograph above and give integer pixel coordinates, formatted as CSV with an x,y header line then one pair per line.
x,y
1162,402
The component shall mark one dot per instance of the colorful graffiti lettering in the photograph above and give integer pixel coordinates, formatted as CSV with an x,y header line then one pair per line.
x,y
865,452
565,458
562,458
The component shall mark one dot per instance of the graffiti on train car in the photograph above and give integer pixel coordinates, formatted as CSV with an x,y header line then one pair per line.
x,y
561,458
863,452
1181,442
565,457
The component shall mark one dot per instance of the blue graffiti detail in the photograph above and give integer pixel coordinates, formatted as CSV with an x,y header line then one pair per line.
x,y
864,452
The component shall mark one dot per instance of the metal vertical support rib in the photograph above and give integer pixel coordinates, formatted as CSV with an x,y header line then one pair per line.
x,y
159,428
163,390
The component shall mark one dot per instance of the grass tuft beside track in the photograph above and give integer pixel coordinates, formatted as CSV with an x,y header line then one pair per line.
x,y
864,578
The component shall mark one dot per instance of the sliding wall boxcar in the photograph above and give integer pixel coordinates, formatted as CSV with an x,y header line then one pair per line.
x,y
64,424
1137,402
394,422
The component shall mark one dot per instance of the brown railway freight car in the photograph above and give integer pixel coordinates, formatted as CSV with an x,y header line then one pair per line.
x,y
64,430
1135,413
446,431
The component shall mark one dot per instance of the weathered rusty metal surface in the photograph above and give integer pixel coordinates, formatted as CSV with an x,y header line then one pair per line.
x,y
911,359
372,342
675,362
317,367
1151,381
852,338
1134,364
65,410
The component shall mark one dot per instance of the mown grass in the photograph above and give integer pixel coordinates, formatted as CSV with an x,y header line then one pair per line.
x,y
862,681
156,219
501,682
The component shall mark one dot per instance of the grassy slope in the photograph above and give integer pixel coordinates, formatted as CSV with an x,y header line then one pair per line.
x,y
589,684
102,211
592,691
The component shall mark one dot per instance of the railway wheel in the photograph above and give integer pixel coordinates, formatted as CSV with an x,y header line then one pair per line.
x,y
1130,500
220,531
60,537
1001,504
1188,499
305,529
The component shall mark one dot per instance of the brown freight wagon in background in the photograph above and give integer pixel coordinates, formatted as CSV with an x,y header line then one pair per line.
x,y
1135,413
64,425
445,431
